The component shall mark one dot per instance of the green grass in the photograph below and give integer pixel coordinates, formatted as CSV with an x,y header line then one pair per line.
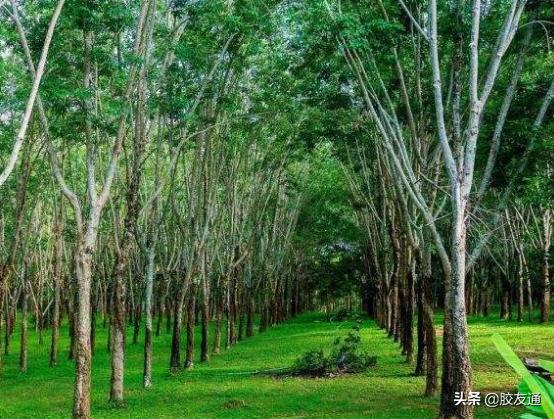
x,y
224,389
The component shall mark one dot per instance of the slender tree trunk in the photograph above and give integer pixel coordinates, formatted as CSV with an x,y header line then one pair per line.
x,y
71,317
231,315
81,398
263,315
9,324
520,293
175,361
241,323
161,312
430,337
545,298
93,325
393,331
421,343
191,317
147,371
547,237
205,309
169,310
250,314
486,300
388,308
136,320
529,292
58,282
504,299
118,326
218,321
408,323
234,310
24,328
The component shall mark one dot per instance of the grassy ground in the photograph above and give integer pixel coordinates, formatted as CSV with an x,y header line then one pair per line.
x,y
224,389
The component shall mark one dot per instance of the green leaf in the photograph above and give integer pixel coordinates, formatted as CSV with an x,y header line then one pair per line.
x,y
547,365
533,382
510,356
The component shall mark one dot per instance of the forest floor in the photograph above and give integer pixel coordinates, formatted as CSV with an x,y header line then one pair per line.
x,y
223,388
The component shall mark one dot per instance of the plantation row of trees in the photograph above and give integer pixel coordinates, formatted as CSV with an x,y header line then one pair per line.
x,y
453,186
178,163
152,184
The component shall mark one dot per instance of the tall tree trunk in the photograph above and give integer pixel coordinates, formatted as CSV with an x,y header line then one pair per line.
x,y
175,360
529,292
231,314
505,297
520,293
547,237
81,397
456,376
219,302
118,325
545,298
205,309
93,324
241,314
24,339
148,311
191,318
388,307
263,315
430,336
421,343
71,318
58,280
408,323
161,312
250,313
394,298
169,310
9,324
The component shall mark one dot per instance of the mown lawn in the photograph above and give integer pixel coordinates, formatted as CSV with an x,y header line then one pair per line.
x,y
225,389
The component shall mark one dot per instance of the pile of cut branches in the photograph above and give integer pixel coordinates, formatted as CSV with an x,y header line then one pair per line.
x,y
345,357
